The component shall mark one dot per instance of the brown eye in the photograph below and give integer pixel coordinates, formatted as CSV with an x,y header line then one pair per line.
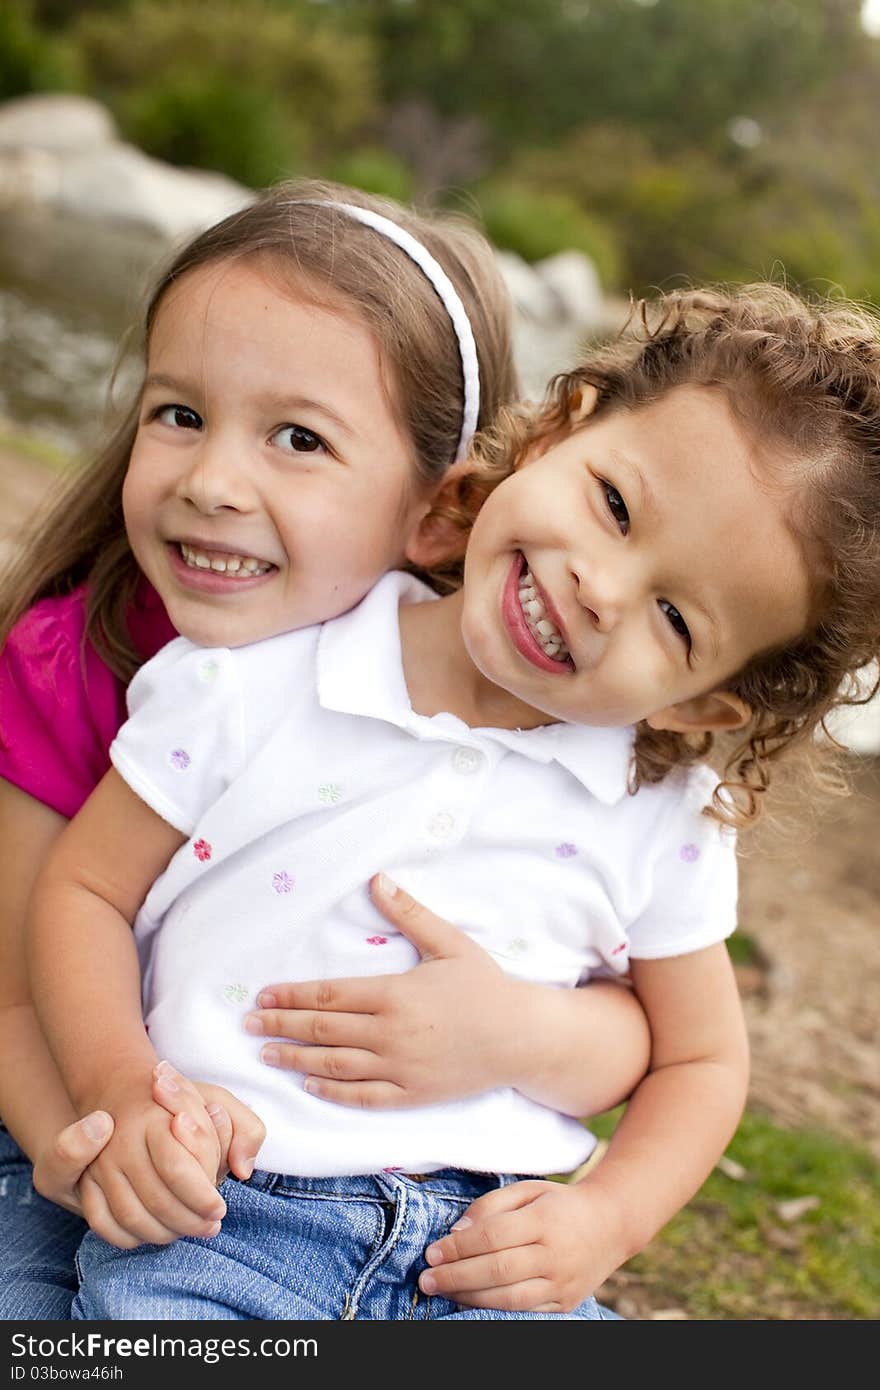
x,y
676,621
179,417
617,507
298,440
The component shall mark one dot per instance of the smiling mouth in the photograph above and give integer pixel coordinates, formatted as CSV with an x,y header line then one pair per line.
x,y
223,562
539,623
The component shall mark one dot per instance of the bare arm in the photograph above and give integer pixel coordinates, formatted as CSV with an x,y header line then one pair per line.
x,y
28,829
546,1246
86,982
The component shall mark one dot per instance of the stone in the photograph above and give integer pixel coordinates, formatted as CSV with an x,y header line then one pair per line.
x,y
56,122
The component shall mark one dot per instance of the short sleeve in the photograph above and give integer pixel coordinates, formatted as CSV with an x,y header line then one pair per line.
x,y
694,897
60,706
183,743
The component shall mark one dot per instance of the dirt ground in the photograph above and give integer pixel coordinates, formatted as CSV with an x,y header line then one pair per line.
x,y
812,911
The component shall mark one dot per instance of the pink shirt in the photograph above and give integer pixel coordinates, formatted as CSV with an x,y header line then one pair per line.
x,y
60,705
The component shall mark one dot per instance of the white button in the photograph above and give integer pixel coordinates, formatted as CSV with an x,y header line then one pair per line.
x,y
467,760
442,825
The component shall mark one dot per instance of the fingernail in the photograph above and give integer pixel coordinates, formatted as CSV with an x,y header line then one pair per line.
x,y
387,886
187,1122
166,1076
271,1056
434,1255
312,1086
247,1167
97,1126
253,1024
266,999
217,1114
462,1224
427,1283
213,1231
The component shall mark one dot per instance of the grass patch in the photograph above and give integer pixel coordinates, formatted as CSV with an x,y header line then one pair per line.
x,y
731,1254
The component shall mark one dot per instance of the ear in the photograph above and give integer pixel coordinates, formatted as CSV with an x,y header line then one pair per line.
x,y
717,712
436,539
583,404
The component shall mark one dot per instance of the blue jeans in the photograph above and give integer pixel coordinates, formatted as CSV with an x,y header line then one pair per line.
x,y
300,1249
38,1242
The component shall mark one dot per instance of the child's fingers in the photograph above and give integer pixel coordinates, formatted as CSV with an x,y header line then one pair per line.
x,y
57,1175
336,1063
179,1189
191,1139
358,1095
492,1222
142,1208
97,1213
332,1029
433,937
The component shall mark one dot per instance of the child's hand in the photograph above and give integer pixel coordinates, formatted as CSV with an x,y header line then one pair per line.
x,y
532,1246
435,1033
145,1187
240,1133
57,1172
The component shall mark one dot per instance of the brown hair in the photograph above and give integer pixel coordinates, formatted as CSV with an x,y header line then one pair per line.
x,y
296,231
803,377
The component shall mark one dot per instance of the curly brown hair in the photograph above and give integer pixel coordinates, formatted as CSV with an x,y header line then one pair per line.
x,y
804,377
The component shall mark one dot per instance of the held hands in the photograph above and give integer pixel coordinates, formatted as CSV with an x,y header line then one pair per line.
x,y
532,1246
436,1032
61,1176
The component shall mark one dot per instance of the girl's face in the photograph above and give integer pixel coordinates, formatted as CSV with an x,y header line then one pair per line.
x,y
633,567
270,483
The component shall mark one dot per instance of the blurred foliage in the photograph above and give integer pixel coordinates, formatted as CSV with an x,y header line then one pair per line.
x,y
248,87
706,139
536,224
30,59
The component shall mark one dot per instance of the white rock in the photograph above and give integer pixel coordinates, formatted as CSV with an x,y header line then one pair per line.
x,y
122,184
55,122
573,282
534,301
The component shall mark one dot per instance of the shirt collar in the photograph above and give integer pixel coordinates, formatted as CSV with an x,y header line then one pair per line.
x,y
360,672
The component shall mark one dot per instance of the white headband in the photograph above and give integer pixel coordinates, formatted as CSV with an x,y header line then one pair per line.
x,y
447,292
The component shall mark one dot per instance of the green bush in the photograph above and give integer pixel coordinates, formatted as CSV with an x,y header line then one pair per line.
x,y
376,171
242,86
29,60
538,224
200,119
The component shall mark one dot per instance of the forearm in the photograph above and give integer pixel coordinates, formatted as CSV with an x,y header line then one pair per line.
x,y
675,1128
86,982
29,1070
578,1051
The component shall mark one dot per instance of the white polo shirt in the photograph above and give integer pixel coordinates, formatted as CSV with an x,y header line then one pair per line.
x,y
297,769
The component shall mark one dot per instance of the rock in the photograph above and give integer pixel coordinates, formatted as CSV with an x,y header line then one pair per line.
x,y
534,300
121,184
573,284
796,1207
56,123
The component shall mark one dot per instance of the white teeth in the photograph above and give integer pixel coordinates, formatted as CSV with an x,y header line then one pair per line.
x,y
244,565
546,634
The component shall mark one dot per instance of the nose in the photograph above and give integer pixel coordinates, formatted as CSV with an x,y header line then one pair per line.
x,y
217,479
602,591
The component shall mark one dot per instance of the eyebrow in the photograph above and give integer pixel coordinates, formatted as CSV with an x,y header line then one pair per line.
x,y
271,399
648,504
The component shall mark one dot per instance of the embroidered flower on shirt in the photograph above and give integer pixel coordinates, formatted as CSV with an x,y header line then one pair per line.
x,y
180,759
202,850
329,793
565,851
208,670
282,882
236,994
377,940
617,950
517,946
689,853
